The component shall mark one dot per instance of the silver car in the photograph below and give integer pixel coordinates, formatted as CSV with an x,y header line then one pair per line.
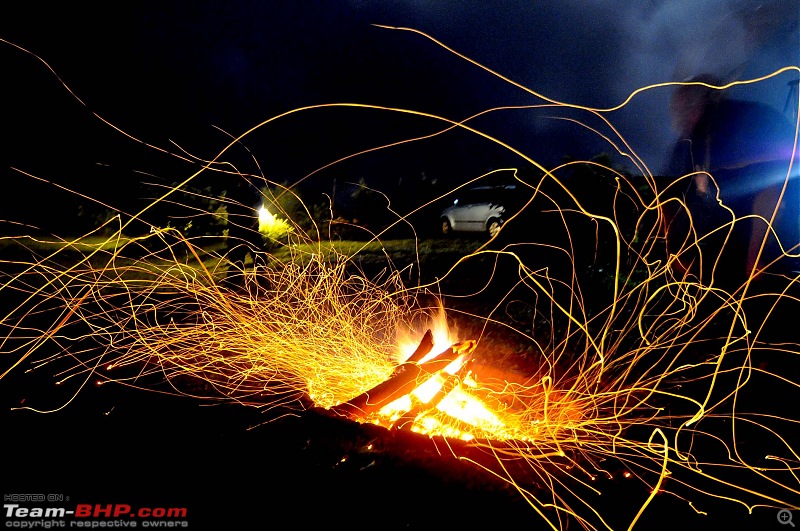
x,y
478,209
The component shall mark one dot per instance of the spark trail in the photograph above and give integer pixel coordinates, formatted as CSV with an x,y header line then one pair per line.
x,y
645,363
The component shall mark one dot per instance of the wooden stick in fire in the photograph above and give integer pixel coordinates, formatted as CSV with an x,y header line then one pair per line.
x,y
405,378
448,384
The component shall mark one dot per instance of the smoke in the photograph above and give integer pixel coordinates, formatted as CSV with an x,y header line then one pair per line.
x,y
595,53
199,63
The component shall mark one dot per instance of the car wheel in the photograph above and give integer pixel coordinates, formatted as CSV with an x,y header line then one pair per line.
x,y
494,226
447,230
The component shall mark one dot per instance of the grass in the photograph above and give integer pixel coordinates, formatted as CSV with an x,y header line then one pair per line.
x,y
430,258
435,256
392,249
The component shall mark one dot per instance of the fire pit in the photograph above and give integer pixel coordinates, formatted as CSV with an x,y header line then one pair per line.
x,y
438,395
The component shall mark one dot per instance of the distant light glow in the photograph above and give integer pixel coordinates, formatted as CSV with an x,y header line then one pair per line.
x,y
270,225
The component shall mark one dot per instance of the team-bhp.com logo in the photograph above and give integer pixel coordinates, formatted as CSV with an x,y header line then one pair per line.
x,y
94,516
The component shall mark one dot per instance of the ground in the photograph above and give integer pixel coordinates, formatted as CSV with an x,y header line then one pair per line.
x,y
236,467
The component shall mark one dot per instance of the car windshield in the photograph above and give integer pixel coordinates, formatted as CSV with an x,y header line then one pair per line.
x,y
489,194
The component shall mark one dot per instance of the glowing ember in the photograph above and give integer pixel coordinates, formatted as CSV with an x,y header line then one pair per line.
x,y
428,390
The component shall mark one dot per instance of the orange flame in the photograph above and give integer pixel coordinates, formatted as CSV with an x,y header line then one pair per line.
x,y
443,338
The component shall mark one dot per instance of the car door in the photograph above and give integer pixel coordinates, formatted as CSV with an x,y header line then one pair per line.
x,y
470,212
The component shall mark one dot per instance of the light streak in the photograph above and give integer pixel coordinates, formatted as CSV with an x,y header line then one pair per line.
x,y
662,372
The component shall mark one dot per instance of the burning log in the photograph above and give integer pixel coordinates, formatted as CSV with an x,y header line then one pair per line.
x,y
424,348
449,383
404,379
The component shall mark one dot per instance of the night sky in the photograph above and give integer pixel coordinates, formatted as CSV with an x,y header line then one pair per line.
x,y
188,74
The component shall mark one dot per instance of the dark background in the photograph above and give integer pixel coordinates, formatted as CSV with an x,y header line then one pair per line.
x,y
186,76
194,73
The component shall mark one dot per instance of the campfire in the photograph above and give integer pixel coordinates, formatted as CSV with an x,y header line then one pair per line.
x,y
430,393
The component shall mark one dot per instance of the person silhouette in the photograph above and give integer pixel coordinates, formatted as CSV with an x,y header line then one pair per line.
x,y
740,152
